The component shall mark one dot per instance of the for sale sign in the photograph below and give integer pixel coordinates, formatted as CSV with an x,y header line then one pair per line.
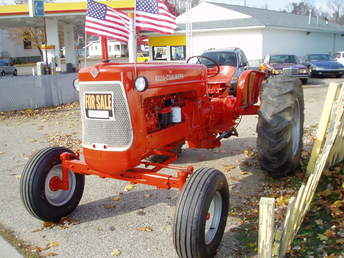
x,y
36,8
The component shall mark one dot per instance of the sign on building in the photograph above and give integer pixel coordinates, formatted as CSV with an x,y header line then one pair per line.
x,y
36,8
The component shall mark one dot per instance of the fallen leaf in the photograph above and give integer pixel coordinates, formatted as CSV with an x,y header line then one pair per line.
x,y
116,198
53,244
49,254
282,201
49,224
322,237
146,229
18,176
232,178
2,153
109,206
116,252
326,193
340,241
249,153
129,187
330,234
141,212
228,168
37,230
319,222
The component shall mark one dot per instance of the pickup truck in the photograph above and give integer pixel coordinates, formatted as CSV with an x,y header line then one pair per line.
x,y
7,68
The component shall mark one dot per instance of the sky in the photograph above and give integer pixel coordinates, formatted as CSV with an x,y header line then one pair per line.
x,y
272,4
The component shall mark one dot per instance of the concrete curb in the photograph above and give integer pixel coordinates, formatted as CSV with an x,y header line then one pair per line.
x,y
7,250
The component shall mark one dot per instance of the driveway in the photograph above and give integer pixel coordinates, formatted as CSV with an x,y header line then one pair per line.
x,y
110,221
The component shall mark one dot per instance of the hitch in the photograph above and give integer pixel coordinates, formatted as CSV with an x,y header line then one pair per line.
x,y
228,134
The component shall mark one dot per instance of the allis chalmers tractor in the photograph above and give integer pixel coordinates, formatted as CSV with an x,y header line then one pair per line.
x,y
133,113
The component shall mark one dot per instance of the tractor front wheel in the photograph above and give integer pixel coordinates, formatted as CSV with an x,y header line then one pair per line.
x,y
280,126
201,214
36,186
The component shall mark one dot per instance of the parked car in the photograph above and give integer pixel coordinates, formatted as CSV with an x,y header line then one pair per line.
x,y
324,65
7,68
286,64
232,62
339,56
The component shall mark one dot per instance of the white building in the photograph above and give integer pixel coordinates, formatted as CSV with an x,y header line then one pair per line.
x,y
15,48
257,31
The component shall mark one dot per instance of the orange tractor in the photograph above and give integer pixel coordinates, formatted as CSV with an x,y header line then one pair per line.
x,y
136,117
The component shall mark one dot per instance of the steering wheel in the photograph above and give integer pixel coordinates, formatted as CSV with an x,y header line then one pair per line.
x,y
218,69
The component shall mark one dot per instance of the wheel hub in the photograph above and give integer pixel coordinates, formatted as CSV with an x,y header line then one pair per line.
x,y
213,218
53,193
54,184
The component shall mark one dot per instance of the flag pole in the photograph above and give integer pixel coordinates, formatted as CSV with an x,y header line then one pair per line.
x,y
132,44
188,31
85,53
105,49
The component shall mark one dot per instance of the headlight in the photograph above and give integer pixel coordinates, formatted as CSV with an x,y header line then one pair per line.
x,y
141,84
76,85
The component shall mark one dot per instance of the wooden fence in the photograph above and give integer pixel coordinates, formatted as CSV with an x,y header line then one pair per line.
x,y
328,150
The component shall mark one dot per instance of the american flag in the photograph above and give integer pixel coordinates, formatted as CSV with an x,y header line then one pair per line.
x,y
153,15
102,20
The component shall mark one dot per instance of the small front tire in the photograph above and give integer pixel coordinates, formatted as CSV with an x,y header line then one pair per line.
x,y
39,199
201,214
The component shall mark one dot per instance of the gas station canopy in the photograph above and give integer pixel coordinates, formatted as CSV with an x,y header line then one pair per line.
x,y
75,8
60,18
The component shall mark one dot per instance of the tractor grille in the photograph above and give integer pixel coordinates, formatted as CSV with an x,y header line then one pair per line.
x,y
115,134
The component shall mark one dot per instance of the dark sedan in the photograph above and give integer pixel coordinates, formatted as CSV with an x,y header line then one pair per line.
x,y
324,65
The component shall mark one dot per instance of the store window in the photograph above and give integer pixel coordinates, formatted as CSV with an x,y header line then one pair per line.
x,y
178,53
160,53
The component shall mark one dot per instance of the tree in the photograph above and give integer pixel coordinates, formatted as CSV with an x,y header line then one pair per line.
x,y
181,5
302,8
29,36
336,8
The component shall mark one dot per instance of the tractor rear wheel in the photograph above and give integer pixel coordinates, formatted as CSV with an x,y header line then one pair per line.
x,y
280,126
201,214
37,194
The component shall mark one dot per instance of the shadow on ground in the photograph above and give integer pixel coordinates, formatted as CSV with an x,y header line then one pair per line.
x,y
130,201
231,147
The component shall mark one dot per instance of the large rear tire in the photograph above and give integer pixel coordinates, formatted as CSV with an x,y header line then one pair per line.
x,y
201,214
39,199
280,126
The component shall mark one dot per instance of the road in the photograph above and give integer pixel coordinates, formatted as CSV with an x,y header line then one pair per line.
x,y
108,218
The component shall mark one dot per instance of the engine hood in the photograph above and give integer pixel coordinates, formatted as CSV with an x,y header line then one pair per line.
x,y
327,64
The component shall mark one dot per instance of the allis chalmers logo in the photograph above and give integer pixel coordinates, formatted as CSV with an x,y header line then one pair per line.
x,y
169,77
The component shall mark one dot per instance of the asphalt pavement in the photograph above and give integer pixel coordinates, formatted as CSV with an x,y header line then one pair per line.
x,y
109,220
7,250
